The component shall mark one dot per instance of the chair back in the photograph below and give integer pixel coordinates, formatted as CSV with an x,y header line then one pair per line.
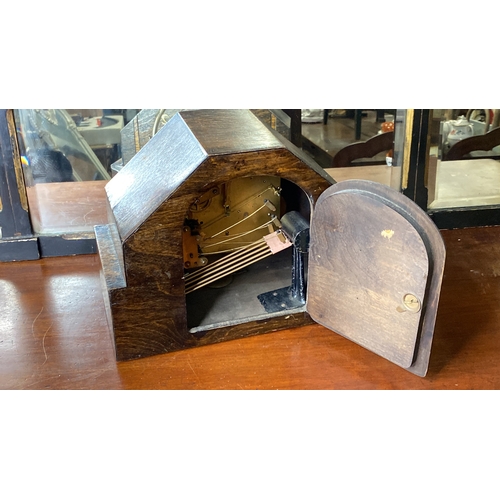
x,y
367,149
484,142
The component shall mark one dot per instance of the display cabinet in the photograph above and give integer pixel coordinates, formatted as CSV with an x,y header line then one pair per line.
x,y
454,167
17,241
54,166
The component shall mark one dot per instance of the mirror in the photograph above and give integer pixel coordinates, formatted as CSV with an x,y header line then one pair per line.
x,y
67,157
464,159
356,144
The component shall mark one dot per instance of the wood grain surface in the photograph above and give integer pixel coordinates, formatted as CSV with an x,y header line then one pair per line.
x,y
362,264
373,253
150,199
153,258
54,335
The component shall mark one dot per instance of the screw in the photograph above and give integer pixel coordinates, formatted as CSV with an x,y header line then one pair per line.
x,y
411,303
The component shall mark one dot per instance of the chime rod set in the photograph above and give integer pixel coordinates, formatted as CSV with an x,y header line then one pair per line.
x,y
228,258
266,246
239,235
265,252
226,264
266,203
243,202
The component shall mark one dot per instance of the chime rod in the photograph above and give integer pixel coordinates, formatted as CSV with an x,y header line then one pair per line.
x,y
242,202
239,235
236,223
232,250
264,253
218,265
228,270
229,257
226,265
229,250
269,245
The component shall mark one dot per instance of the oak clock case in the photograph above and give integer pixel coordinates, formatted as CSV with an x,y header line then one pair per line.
x,y
220,229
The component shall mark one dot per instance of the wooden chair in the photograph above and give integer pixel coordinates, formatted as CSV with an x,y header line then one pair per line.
x,y
377,144
484,142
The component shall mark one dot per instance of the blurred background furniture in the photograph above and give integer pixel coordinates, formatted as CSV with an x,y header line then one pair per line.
x,y
379,143
469,145
357,115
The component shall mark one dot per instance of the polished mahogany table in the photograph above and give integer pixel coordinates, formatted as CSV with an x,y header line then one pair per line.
x,y
54,335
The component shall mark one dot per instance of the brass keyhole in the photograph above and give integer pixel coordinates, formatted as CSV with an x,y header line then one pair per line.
x,y
411,303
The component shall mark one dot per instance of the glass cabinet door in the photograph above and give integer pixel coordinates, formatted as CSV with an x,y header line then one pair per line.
x,y
463,171
64,177
357,144
16,235
63,159
466,178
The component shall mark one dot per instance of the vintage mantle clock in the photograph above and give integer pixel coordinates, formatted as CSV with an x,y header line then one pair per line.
x,y
220,229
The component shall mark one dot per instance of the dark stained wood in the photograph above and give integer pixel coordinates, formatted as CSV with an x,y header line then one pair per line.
x,y
484,142
19,249
149,200
367,149
375,270
149,316
414,184
54,335
466,217
16,233
196,152
14,216
68,244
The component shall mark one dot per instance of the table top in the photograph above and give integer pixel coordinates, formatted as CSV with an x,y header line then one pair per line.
x,y
54,335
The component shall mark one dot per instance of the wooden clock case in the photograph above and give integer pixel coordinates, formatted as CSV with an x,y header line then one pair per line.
x,y
373,269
